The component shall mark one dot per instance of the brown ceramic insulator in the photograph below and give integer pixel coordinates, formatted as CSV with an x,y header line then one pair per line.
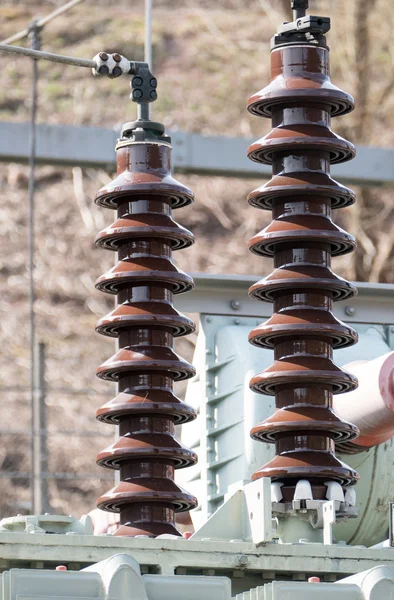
x,y
301,239
145,322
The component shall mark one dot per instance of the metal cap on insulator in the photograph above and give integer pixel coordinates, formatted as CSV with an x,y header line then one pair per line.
x,y
304,29
155,127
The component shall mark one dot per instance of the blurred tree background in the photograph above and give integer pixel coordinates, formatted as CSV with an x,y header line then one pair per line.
x,y
209,58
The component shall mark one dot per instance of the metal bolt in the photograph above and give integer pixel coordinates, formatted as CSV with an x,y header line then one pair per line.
x,y
209,319
236,321
350,311
117,72
137,81
235,304
153,95
103,56
103,70
117,57
243,560
137,94
391,329
153,82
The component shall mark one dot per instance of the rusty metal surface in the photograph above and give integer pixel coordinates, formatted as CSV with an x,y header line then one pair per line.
x,y
145,322
301,239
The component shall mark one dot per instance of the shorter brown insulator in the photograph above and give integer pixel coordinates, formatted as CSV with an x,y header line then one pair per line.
x,y
145,322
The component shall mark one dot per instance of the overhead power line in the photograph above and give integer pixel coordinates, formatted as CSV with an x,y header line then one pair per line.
x,y
41,22
57,58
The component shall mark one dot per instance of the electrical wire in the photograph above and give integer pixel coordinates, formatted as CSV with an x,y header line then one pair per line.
x,y
148,33
144,111
57,58
41,22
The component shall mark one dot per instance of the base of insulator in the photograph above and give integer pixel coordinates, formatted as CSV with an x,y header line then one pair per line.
x,y
153,532
150,520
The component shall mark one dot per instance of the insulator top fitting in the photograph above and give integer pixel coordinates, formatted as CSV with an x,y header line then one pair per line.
x,y
142,130
304,29
143,84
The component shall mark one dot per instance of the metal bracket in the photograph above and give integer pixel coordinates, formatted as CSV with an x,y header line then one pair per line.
x,y
143,84
307,508
329,517
390,336
307,24
245,515
34,35
303,29
391,524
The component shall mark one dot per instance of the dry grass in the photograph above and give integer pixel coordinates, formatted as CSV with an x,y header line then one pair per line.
x,y
209,58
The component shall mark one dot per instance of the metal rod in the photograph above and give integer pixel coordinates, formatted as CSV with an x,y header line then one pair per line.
x,y
144,110
40,454
35,42
56,58
41,22
148,33
299,8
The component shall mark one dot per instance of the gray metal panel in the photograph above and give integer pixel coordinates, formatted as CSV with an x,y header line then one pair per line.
x,y
60,145
193,153
228,410
171,554
215,295
372,166
216,155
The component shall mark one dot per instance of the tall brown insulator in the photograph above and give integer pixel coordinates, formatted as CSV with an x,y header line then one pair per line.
x,y
145,323
303,331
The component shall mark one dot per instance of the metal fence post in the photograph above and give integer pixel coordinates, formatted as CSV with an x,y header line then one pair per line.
x,y
40,453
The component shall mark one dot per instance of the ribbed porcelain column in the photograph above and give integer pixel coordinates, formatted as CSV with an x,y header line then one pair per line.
x,y
145,322
301,239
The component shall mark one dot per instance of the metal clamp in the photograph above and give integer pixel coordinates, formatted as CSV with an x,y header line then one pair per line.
x,y
111,65
306,24
143,84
